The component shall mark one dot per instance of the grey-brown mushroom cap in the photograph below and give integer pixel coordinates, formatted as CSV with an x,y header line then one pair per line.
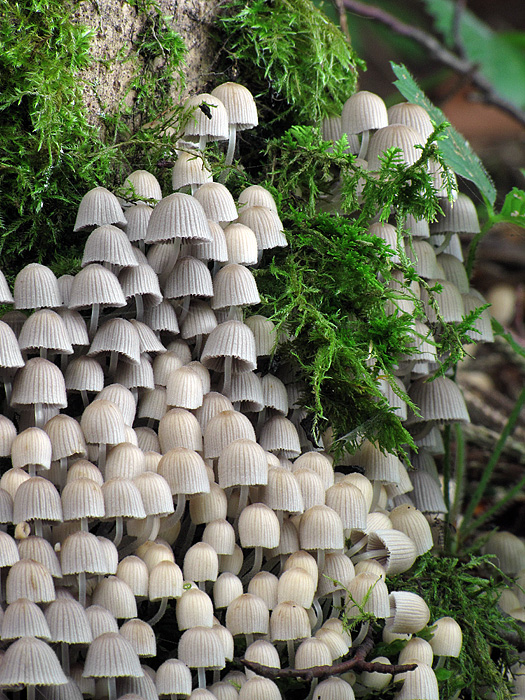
x,y
97,207
111,656
178,216
30,661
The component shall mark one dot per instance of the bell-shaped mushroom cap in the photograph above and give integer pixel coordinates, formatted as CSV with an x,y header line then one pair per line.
x,y
189,169
5,293
226,588
178,216
264,332
8,550
279,435
318,463
408,612
447,638
421,683
211,122
101,620
247,614
234,285
256,196
334,688
459,216
108,244
141,281
246,392
115,595
216,201
231,339
239,104
189,277
102,423
440,400
82,498
110,655
184,470
140,185
483,326
96,284
266,225
201,563
29,579
200,647
37,499
297,586
66,437
84,374
156,494
417,649
75,326
413,523
117,335
134,572
97,207
137,218
179,428
23,618
222,690
200,320
349,502
259,527
40,550
241,244
368,593
30,661
363,111
223,429
312,652
194,608
165,581
242,462
82,551
411,115
206,507
321,528
394,136
289,621
15,320
337,573
31,447
136,376
39,381
220,535
282,492
264,653
260,688
141,636
173,678
68,622
215,249
36,287
10,355
212,404
122,499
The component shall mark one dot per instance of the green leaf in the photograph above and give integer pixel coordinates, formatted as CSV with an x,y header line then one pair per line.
x,y
456,150
497,57
443,674
513,209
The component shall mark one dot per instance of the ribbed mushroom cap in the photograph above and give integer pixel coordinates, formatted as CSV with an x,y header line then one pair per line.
x,y
264,653
136,376
242,462
184,470
119,336
459,216
408,612
220,535
189,277
30,661
68,622
279,435
200,320
321,528
256,196
216,201
84,374
40,550
368,592
215,249
449,302
239,104
173,678
423,256
66,436
438,400
214,127
312,652
241,244
141,184
417,649
36,287
420,684
212,404
162,317
163,365
125,461
181,348
37,499
97,207
147,439
259,527
115,595
11,480
334,640
363,111
289,621
200,647
15,320
282,492
337,573
110,655
378,465
266,225
206,507
137,688
226,588
234,285
165,581
45,329
152,403
264,332
96,284
259,688
142,281
10,355
413,523
184,388
5,293
134,572
201,563
31,447
123,399
298,586
102,423
39,381
23,618
29,579
246,392
483,326
222,690
231,339
189,169
141,637
447,638
318,463
82,498
418,228
178,216
194,608
108,244
122,499
155,492
401,550
7,436
334,688
110,554
137,218
223,429
247,614
394,136
179,428
101,620
154,552
411,115
349,502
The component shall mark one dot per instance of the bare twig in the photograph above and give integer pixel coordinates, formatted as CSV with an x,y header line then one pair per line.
x,y
343,21
357,662
441,54
459,8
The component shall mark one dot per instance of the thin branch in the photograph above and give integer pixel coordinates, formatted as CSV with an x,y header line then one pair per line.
x,y
459,9
357,662
440,53
343,21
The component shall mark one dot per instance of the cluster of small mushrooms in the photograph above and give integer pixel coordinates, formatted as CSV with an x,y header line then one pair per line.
x,y
155,463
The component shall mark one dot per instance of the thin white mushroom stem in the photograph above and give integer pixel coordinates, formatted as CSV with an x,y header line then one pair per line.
x,y
93,324
8,388
119,530
112,688
257,562
440,663
374,554
249,639
357,547
337,603
64,651
318,613
113,360
376,494
176,249
174,518
43,353
185,307
362,634
226,387
320,561
31,469
149,532
445,243
235,313
39,415
84,524
201,677
38,527
216,676
203,140
85,398
82,588
202,586
160,612
365,138
102,451
139,306
290,646
63,471
243,499
232,140
190,535
313,686
198,346
30,692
